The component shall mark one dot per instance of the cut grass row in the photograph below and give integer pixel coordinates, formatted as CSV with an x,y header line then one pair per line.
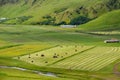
x,y
92,60
52,55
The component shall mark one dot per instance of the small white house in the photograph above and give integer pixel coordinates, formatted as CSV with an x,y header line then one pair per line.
x,y
112,41
3,18
68,26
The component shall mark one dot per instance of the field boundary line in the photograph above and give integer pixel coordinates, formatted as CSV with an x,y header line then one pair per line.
x,y
10,46
71,55
39,50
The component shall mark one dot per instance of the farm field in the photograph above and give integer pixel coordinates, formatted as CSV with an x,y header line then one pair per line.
x,y
107,33
59,39
50,56
21,50
74,57
92,60
24,75
66,52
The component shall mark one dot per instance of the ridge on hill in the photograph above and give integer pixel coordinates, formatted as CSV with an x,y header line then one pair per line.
x,y
53,12
109,21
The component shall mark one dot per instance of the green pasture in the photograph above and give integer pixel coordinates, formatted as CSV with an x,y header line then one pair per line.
x,y
22,49
52,35
52,55
24,75
107,22
70,53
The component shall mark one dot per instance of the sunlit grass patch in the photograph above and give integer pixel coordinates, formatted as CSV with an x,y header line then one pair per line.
x,y
23,49
52,55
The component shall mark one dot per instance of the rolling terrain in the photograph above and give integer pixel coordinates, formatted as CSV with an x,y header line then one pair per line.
x,y
65,52
107,22
55,12
33,46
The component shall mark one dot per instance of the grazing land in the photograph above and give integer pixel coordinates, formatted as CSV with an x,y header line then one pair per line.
x,y
34,46
67,53
21,50
24,75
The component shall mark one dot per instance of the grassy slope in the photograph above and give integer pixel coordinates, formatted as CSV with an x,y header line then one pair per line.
x,y
109,21
64,8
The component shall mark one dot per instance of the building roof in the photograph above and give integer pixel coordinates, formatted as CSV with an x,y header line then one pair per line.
x,y
115,40
68,26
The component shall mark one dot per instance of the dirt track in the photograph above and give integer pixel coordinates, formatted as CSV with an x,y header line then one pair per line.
x,y
116,69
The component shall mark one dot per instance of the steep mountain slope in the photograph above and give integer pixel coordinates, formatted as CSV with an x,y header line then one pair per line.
x,y
108,21
53,12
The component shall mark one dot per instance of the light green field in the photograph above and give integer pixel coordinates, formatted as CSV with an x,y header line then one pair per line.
x,y
24,75
68,58
107,22
71,54
61,52
2,43
22,49
92,60
80,55
107,33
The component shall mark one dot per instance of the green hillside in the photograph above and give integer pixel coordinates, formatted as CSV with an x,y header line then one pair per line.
x,y
53,12
109,21
33,45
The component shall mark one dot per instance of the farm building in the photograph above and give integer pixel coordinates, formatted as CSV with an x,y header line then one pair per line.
x,y
3,18
68,26
112,41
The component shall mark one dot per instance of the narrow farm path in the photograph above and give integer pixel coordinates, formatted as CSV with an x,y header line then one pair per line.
x,y
116,69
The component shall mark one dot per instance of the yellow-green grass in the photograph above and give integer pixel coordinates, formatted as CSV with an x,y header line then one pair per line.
x,y
5,43
107,22
2,43
49,34
13,74
61,52
72,74
92,60
59,72
107,33
23,49
41,8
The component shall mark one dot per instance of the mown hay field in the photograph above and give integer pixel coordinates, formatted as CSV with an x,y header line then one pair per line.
x,y
92,60
52,55
87,58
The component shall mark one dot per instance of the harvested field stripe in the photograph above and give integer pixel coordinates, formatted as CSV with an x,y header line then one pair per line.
x,y
92,60
71,56
85,58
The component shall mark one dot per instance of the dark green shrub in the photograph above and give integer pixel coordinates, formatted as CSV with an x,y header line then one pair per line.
x,y
79,20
